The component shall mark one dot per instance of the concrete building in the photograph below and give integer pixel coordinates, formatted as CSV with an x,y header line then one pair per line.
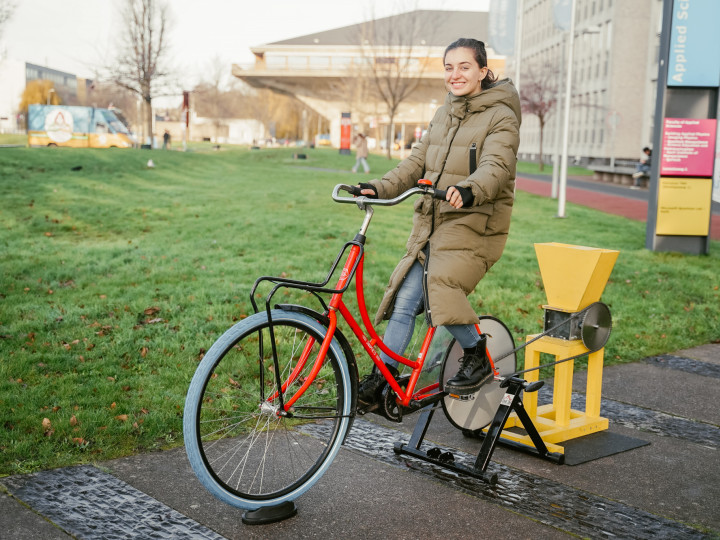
x,y
366,68
614,83
613,88
15,75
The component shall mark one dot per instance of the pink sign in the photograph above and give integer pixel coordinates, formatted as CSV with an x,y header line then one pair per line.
x,y
688,147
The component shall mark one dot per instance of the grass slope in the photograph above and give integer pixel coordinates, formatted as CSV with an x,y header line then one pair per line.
x,y
115,279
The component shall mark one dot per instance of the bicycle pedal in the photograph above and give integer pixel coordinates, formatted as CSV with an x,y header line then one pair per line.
x,y
364,408
459,397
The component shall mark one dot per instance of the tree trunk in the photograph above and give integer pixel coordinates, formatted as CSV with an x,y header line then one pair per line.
x,y
390,138
149,119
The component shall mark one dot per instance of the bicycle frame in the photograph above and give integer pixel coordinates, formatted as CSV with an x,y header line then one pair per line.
x,y
352,268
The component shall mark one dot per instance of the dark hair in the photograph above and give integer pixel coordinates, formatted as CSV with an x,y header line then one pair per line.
x,y
478,49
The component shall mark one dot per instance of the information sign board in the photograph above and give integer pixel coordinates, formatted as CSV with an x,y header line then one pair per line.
x,y
684,206
688,147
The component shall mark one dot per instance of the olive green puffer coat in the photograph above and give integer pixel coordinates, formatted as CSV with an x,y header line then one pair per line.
x,y
463,243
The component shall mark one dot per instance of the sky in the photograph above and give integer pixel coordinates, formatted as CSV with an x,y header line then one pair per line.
x,y
78,35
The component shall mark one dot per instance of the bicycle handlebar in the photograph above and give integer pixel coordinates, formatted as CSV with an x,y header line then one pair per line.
x,y
362,200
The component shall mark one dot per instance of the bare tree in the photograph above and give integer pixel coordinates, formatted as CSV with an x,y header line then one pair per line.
x,y
141,65
539,96
393,59
213,95
6,12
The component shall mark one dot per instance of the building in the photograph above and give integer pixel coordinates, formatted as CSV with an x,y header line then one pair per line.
x,y
615,61
367,68
15,76
614,82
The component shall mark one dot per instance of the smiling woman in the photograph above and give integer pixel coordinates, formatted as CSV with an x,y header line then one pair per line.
x,y
470,150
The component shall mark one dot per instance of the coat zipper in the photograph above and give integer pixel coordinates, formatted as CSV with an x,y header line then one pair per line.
x,y
426,291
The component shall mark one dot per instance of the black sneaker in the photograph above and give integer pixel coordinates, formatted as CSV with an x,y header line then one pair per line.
x,y
474,371
370,386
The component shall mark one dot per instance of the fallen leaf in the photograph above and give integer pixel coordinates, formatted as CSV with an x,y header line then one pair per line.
x,y
73,421
122,417
47,427
79,441
143,352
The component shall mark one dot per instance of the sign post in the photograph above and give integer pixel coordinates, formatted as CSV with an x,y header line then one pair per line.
x,y
681,186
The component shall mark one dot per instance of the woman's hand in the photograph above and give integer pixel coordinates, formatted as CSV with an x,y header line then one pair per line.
x,y
368,190
454,197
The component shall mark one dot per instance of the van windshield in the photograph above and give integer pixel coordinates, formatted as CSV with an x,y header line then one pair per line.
x,y
115,123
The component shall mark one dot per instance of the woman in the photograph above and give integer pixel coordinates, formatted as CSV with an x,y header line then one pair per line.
x,y
362,153
470,150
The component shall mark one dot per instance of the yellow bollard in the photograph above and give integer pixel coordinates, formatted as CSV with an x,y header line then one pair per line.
x,y
574,278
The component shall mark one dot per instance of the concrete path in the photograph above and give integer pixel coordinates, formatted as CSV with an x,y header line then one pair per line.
x,y
667,488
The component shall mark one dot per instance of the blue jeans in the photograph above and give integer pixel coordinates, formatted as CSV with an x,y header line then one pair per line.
x,y
361,161
408,305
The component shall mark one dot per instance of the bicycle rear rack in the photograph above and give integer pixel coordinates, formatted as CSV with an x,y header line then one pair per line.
x,y
511,402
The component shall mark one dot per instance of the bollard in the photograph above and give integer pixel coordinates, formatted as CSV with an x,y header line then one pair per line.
x,y
574,278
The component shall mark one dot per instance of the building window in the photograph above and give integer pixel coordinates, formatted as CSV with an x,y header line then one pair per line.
x,y
319,62
297,62
276,61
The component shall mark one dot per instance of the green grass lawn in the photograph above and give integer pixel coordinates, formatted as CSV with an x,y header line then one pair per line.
x,y
115,279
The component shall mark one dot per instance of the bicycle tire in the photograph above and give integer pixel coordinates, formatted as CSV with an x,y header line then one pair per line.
x,y
479,410
243,453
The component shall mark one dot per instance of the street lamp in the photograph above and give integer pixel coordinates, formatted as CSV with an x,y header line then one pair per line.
x,y
568,97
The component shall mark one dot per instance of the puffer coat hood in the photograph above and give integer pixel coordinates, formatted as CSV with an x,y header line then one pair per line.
x,y
462,244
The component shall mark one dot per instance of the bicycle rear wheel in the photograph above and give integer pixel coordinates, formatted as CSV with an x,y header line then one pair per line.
x,y
242,451
478,410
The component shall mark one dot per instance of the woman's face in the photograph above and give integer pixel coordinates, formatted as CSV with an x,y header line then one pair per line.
x,y
463,75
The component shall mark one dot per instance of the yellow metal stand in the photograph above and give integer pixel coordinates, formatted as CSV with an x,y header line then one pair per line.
x,y
557,422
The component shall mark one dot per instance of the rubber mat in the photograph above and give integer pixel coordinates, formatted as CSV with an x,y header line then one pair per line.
x,y
598,445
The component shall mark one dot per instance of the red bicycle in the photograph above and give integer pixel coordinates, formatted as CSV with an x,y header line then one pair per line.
x,y
275,396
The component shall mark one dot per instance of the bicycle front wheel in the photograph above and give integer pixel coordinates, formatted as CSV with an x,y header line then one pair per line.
x,y
241,446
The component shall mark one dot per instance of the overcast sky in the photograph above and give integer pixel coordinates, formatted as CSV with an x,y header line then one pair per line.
x,y
77,35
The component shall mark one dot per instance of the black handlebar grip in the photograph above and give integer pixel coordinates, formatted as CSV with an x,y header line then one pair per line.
x,y
439,194
355,190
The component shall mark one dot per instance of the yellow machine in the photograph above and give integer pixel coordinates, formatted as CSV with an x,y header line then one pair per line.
x,y
574,279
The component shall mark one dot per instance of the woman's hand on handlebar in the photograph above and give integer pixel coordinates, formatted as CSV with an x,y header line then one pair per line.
x,y
368,190
454,197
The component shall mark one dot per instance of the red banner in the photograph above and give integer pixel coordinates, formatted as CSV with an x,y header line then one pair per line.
x,y
345,133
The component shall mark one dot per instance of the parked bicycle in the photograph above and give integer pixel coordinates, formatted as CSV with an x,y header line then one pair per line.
x,y
275,396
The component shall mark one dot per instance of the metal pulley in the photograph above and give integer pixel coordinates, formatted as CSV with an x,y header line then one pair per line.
x,y
595,326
